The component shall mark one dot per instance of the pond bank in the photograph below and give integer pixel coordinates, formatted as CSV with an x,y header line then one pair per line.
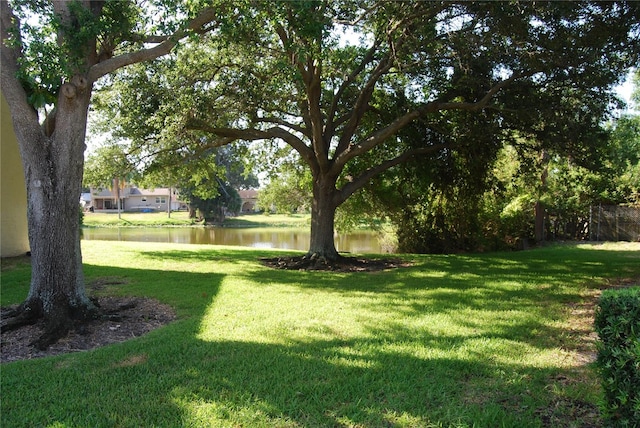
x,y
291,232
181,218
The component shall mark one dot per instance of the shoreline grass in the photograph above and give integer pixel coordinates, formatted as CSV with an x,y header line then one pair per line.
x,y
181,219
452,341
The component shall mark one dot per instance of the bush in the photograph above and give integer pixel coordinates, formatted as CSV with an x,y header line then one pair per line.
x,y
617,322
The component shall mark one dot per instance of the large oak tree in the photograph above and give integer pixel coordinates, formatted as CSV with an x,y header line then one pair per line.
x,y
53,52
291,73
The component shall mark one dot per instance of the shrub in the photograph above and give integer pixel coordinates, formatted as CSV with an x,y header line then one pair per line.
x,y
617,322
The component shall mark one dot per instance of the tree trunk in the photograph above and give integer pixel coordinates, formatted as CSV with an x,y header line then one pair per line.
x,y
539,221
53,164
117,186
323,212
169,204
539,206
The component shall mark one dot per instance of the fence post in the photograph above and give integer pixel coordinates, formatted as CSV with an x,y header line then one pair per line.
x,y
590,222
599,214
616,212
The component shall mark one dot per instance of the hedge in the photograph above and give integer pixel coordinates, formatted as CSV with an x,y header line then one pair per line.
x,y
617,322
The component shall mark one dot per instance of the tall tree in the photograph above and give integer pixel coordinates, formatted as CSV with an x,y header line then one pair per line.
x,y
289,74
208,180
108,167
53,52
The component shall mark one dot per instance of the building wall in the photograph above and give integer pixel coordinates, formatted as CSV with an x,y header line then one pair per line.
x,y
135,199
14,237
150,201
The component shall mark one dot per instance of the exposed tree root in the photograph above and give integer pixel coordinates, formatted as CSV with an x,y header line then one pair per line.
x,y
121,318
56,325
15,317
54,331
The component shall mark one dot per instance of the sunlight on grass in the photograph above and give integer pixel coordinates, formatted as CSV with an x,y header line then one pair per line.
x,y
275,313
610,246
407,321
452,341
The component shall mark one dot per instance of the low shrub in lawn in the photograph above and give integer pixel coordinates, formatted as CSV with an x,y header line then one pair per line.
x,y
617,323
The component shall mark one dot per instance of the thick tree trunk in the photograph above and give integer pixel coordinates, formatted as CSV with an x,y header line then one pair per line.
x,y
323,212
53,164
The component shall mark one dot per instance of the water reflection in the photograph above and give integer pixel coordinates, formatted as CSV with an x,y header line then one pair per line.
x,y
357,242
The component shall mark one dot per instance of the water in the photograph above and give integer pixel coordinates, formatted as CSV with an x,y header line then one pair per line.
x,y
357,242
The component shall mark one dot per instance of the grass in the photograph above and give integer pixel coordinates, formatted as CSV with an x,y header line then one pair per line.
x,y
290,221
133,219
181,218
453,341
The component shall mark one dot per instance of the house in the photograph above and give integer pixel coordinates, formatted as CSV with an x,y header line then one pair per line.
x,y
249,199
136,199
85,200
14,235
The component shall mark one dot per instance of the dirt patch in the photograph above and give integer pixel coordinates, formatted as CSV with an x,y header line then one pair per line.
x,y
123,318
565,412
343,264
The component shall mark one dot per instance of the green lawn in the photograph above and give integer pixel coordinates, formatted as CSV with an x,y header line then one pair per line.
x,y
181,218
454,341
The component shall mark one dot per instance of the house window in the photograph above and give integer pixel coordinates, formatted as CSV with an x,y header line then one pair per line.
x,y
160,200
144,199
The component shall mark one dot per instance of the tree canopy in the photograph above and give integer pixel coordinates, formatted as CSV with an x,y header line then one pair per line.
x,y
355,88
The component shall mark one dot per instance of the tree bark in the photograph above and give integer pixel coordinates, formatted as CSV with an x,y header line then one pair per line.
x,y
53,166
53,159
323,212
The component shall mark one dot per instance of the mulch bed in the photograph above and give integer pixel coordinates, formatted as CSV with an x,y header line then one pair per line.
x,y
123,318
343,264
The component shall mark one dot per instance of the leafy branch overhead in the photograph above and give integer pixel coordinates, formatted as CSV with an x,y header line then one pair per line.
x,y
58,40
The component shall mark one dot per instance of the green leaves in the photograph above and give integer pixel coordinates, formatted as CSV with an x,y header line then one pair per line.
x,y
41,67
107,163
617,323
454,81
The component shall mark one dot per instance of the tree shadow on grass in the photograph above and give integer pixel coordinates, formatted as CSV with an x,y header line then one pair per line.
x,y
174,377
222,255
506,275
191,382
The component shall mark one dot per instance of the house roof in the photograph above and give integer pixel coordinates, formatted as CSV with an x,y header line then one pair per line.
x,y
101,193
248,194
160,191
131,191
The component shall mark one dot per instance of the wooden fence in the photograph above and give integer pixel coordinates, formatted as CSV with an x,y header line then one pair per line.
x,y
614,223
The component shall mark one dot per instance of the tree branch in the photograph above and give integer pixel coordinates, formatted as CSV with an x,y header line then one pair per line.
x,y
361,104
368,58
196,25
233,134
283,123
395,42
360,18
22,113
361,180
380,136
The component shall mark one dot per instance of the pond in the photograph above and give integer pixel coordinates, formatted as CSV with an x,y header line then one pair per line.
x,y
356,242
